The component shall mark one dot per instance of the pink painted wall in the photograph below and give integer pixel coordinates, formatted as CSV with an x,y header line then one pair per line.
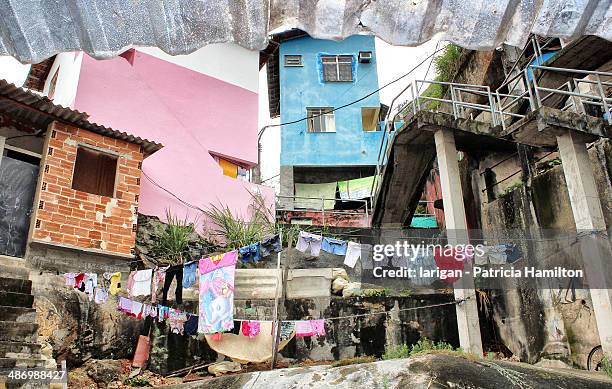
x,y
190,114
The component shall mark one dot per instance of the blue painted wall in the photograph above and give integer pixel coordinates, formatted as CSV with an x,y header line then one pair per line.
x,y
302,87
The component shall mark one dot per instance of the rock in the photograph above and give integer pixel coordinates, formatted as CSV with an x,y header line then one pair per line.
x,y
103,371
340,272
221,368
433,370
338,285
352,289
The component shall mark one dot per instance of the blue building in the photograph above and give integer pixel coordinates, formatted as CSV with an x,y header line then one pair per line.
x,y
315,78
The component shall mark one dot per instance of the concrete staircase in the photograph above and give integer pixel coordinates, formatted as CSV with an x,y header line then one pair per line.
x,y
18,328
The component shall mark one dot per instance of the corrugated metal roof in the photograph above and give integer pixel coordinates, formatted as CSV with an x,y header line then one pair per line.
x,y
39,111
32,30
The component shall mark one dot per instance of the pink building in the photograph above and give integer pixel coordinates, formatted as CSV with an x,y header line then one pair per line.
x,y
202,107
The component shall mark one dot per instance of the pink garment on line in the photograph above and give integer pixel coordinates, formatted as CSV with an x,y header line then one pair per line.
x,y
310,327
250,328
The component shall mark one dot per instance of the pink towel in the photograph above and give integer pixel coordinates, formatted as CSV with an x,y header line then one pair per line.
x,y
318,327
303,328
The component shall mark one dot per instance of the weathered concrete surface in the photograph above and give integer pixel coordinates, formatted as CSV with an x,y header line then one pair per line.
x,y
435,370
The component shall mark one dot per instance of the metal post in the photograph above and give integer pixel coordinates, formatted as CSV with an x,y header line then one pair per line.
x,y
603,99
418,103
526,84
275,321
323,210
535,89
452,91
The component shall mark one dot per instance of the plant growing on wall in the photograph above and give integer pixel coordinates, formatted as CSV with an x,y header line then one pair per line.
x,y
172,244
234,231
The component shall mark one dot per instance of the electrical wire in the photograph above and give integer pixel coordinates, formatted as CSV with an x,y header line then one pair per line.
x,y
361,98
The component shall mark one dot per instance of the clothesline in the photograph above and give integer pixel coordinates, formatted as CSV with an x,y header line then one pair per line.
x,y
268,320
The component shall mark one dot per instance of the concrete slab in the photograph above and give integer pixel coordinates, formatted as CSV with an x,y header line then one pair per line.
x,y
253,284
309,283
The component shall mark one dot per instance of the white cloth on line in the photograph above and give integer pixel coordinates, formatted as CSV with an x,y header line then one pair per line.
x,y
306,240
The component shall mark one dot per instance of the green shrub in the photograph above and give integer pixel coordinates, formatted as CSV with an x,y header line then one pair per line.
x,y
172,243
138,381
606,365
422,346
395,352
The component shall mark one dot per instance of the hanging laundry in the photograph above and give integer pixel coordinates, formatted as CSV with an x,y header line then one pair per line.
x,y
70,279
91,282
176,320
217,336
424,263
139,283
137,309
189,274
494,255
318,327
153,312
146,310
250,328
359,188
513,253
303,328
159,275
171,273
451,259
115,282
355,251
307,240
270,244
286,330
191,325
236,329
79,281
162,312
334,246
250,253
125,305
101,295
315,196
216,306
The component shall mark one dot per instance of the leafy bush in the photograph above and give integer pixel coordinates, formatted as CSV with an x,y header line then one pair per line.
x,y
172,244
606,365
422,346
138,381
396,352
235,232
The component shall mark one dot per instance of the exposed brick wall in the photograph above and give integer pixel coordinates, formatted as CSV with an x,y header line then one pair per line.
x,y
69,217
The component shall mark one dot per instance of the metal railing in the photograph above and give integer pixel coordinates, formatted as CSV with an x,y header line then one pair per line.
x,y
326,212
503,108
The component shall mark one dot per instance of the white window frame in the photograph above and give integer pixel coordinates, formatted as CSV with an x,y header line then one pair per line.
x,y
337,60
323,116
291,56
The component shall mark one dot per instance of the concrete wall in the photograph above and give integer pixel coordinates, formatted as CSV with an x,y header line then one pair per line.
x,y
302,87
533,323
191,113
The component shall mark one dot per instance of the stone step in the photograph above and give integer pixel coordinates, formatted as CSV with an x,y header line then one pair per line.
x,y
14,272
13,349
12,299
18,314
18,332
15,285
8,363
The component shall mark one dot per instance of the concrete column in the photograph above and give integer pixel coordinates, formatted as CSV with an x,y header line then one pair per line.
x,y
286,187
456,227
591,228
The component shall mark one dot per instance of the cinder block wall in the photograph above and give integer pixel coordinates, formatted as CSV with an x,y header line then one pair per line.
x,y
68,217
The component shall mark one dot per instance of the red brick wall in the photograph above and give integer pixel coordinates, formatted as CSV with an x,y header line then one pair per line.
x,y
69,217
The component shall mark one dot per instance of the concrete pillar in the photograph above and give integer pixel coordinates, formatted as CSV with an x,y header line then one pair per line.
x,y
591,228
456,227
286,187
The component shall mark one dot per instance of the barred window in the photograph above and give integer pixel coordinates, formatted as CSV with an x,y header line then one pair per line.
x,y
337,68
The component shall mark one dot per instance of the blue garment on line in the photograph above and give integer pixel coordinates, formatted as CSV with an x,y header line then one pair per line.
x,y
334,246
513,253
189,274
191,325
250,253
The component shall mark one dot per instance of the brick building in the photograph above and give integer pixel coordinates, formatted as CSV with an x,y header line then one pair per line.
x,y
65,182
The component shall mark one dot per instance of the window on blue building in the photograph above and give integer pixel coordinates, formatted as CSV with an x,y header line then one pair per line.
x,y
337,68
321,119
